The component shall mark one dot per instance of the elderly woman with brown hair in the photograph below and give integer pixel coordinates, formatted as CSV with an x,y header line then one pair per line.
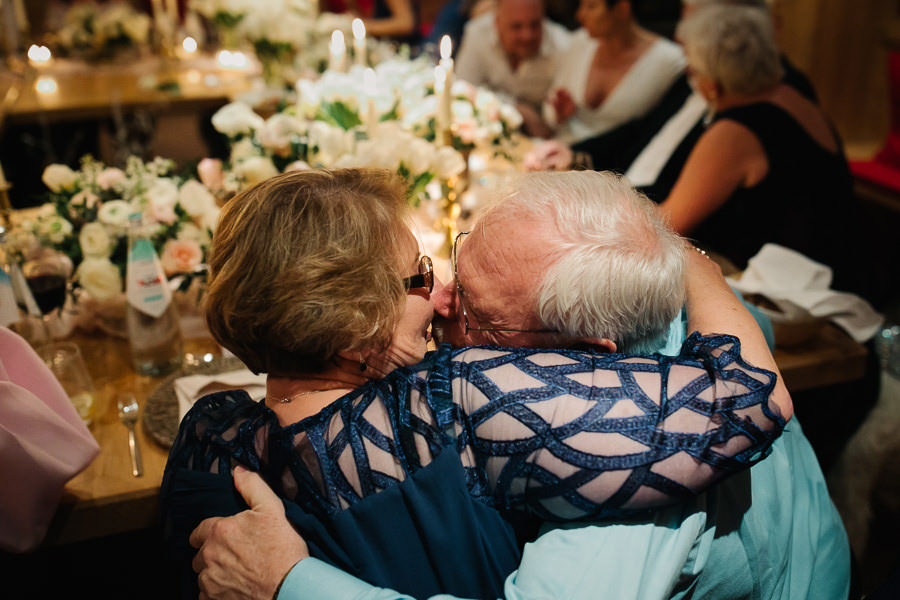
x,y
399,466
769,167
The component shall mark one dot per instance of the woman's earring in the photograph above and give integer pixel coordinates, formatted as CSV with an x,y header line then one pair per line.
x,y
362,363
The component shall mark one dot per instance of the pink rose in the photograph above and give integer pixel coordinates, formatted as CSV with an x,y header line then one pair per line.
x,y
109,177
162,212
211,174
180,256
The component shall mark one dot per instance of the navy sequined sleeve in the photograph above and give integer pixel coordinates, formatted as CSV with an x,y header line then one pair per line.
x,y
559,434
568,435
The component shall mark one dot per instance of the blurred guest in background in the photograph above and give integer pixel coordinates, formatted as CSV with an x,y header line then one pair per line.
x,y
653,149
614,71
383,18
516,51
770,167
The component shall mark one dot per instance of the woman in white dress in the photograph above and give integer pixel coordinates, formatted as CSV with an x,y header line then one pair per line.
x,y
614,71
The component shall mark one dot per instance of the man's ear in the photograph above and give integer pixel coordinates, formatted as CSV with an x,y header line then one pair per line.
x,y
595,344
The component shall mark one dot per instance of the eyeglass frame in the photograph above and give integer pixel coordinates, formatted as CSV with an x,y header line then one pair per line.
x,y
424,278
462,306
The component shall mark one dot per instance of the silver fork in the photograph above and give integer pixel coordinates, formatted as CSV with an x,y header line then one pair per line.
x,y
128,415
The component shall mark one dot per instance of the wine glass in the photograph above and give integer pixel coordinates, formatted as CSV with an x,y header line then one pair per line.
x,y
47,277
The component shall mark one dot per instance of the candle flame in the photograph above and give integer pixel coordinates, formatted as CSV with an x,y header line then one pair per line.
x,y
359,29
232,60
446,47
46,85
337,41
39,54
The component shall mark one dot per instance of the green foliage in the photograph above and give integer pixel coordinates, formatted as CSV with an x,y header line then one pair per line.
x,y
338,114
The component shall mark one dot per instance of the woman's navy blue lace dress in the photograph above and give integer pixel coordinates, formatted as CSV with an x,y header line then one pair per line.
x,y
404,481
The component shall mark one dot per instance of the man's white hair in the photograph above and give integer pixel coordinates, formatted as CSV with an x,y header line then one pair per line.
x,y
618,271
734,45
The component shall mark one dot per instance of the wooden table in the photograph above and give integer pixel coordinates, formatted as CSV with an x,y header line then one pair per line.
x,y
86,91
106,499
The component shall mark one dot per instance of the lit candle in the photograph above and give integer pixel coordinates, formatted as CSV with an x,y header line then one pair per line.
x,y
359,41
446,97
442,118
189,44
338,48
39,56
369,88
46,85
446,60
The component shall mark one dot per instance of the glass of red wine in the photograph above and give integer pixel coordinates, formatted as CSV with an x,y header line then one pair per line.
x,y
47,278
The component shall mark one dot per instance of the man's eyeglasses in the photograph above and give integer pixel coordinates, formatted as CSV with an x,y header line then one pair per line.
x,y
425,277
462,305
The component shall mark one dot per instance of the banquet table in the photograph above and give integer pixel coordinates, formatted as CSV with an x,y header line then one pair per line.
x,y
106,499
70,89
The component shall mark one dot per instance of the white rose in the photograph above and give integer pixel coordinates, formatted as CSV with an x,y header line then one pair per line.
x,y
188,232
114,212
332,142
235,119
59,177
95,241
195,199
297,165
55,229
163,193
462,110
278,132
256,169
110,177
243,149
210,219
447,163
99,277
511,116
85,198
419,156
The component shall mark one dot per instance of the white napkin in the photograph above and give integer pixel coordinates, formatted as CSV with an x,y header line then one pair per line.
x,y
193,387
787,277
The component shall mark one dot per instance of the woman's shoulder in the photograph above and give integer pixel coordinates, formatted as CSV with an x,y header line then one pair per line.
x,y
220,412
664,53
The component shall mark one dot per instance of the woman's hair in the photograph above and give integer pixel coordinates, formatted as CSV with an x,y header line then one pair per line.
x,y
734,45
618,271
308,264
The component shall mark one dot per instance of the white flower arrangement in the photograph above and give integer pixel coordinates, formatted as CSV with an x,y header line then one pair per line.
x,y
335,137
88,214
98,31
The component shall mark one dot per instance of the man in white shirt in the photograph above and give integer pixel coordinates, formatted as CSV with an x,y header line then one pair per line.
x,y
514,51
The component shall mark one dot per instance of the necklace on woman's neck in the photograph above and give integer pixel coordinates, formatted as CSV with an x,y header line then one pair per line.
x,y
292,397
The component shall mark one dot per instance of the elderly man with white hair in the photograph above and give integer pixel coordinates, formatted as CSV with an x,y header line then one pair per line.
x,y
583,254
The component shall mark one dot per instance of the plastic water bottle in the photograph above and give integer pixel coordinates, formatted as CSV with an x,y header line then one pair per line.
x,y
154,331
